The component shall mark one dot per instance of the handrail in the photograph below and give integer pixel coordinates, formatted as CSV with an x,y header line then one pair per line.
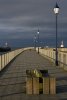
x,y
49,53
6,58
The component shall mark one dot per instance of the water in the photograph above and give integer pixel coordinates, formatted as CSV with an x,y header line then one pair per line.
x,y
43,42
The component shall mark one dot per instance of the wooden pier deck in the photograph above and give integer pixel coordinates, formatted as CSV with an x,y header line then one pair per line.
x,y
13,78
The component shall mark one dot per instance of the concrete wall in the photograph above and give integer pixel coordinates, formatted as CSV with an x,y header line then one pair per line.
x,y
7,57
49,53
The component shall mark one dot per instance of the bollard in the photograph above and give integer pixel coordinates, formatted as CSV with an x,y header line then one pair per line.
x,y
45,85
52,85
29,85
35,85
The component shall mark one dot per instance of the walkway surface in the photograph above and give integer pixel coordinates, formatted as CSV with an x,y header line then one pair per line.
x,y
13,78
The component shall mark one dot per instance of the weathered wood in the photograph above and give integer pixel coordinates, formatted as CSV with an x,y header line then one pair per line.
x,y
38,83
29,85
45,85
35,85
52,85
33,73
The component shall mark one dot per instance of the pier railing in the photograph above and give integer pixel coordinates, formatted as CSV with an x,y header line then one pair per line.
x,y
49,53
6,58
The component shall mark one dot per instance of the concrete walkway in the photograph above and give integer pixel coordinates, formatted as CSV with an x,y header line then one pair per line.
x,y
13,78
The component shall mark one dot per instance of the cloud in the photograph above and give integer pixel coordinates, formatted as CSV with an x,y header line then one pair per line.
x,y
21,18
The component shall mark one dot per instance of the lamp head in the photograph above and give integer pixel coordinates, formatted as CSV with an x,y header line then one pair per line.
x,y
56,9
38,31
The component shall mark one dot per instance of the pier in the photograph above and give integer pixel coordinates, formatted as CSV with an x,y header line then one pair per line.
x,y
13,75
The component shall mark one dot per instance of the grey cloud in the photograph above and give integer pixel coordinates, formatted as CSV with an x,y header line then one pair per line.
x,y
21,18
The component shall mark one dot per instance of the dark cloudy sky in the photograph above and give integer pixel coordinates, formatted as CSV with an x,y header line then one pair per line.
x,y
20,19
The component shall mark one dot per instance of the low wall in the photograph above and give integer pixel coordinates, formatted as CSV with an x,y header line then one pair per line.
x,y
49,53
7,57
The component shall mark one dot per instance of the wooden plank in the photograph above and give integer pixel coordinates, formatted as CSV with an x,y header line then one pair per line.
x,y
35,85
29,87
52,85
45,85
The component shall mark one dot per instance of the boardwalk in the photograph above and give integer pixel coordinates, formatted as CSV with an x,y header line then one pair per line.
x,y
12,78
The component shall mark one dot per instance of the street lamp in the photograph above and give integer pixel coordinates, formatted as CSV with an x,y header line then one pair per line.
x,y
35,42
38,39
56,11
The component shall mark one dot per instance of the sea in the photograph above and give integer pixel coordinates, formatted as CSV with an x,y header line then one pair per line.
x,y
43,42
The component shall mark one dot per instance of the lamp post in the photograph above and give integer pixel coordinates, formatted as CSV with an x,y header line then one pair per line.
x,y
56,11
38,39
35,42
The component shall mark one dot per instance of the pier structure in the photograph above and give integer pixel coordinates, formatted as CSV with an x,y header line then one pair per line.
x,y
13,66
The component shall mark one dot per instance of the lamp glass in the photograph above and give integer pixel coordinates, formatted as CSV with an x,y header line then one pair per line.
x,y
38,32
56,10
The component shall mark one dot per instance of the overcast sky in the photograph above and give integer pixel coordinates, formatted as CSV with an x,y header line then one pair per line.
x,y
20,19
